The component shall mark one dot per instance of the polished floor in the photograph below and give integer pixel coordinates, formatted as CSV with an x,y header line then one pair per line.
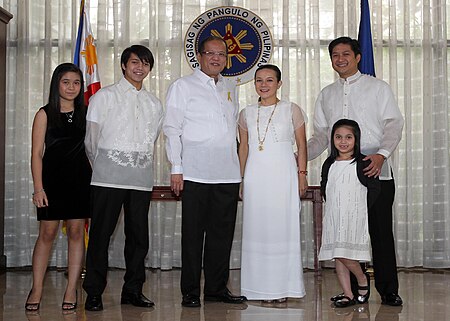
x,y
426,296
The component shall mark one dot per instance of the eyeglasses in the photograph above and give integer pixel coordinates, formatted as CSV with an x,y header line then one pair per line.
x,y
211,54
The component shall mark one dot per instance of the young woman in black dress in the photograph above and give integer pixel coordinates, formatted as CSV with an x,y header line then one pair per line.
x,y
61,177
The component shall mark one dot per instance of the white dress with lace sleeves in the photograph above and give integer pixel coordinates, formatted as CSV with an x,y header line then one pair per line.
x,y
271,265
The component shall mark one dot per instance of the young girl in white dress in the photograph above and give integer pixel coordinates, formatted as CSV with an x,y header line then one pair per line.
x,y
271,266
348,195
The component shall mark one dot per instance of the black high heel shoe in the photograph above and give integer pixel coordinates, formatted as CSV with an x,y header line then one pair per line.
x,y
69,306
32,307
361,299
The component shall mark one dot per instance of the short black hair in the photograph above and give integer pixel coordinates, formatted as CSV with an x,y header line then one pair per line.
x,y
271,67
201,46
353,125
143,53
354,44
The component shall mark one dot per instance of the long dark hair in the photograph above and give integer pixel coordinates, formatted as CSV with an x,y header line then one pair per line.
x,y
54,103
354,127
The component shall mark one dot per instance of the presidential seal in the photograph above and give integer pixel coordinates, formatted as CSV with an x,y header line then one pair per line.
x,y
247,36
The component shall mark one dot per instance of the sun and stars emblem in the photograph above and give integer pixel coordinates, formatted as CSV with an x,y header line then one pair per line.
x,y
235,47
248,40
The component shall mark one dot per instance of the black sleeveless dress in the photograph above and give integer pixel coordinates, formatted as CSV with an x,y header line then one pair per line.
x,y
66,172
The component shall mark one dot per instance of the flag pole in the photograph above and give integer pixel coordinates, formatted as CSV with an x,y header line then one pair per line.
x,y
76,56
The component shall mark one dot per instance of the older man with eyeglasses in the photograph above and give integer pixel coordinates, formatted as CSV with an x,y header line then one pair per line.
x,y
200,126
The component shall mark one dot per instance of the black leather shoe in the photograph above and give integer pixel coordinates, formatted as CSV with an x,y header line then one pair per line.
x,y
136,299
190,301
392,299
93,303
226,297
336,297
361,299
344,302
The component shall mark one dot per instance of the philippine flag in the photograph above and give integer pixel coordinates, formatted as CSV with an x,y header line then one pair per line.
x,y
86,55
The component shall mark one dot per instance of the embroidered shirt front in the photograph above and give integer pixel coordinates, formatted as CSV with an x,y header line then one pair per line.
x,y
122,127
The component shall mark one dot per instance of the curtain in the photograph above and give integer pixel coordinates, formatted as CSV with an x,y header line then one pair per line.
x,y
410,47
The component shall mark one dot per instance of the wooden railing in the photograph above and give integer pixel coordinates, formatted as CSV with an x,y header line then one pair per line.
x,y
163,193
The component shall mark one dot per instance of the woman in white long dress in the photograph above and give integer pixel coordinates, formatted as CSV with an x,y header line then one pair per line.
x,y
271,267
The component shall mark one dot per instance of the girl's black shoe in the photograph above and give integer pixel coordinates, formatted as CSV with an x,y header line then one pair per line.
x,y
364,298
344,302
336,297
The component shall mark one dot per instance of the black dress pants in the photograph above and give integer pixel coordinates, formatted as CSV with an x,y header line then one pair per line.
x,y
382,241
106,204
208,221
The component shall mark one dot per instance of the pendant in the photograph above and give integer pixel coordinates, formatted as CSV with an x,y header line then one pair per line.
x,y
69,117
261,147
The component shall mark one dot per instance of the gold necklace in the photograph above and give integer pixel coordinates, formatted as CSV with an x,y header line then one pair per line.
x,y
261,141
